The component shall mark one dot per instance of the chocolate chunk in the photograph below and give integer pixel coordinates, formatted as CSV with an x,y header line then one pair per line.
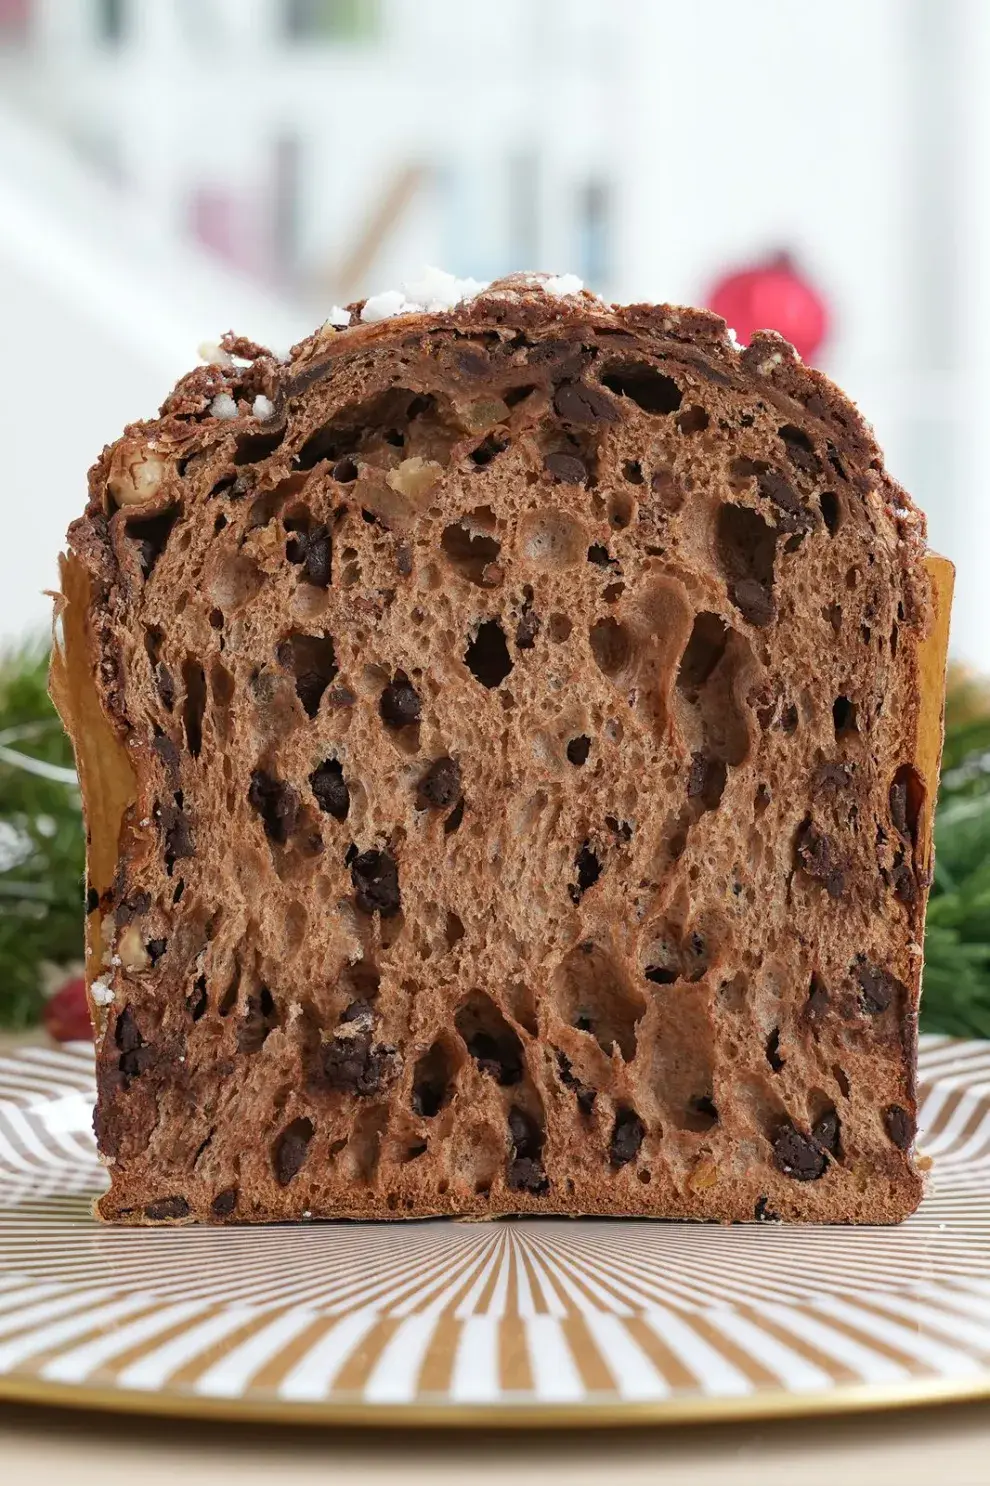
x,y
578,750
224,1203
764,1213
754,602
797,1155
440,786
878,989
375,877
177,835
277,804
776,489
399,704
290,1150
358,1011
899,1125
356,1065
330,788
318,556
526,1172
131,907
825,1131
576,402
817,855
566,467
167,752
706,780
168,1207
627,1137
404,560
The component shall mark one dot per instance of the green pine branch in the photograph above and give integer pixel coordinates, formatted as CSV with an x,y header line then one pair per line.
x,y
41,854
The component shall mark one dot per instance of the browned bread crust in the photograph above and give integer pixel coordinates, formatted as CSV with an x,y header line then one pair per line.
x,y
508,784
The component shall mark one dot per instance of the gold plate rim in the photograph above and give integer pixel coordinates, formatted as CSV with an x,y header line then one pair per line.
x,y
764,1404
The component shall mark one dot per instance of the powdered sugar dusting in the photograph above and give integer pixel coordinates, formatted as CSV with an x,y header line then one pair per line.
x,y
435,290
223,406
213,353
101,993
262,407
338,318
386,306
560,285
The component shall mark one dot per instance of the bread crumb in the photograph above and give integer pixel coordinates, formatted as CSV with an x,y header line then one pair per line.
x,y
262,407
223,406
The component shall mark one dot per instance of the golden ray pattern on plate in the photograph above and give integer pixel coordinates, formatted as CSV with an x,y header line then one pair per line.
x,y
513,1322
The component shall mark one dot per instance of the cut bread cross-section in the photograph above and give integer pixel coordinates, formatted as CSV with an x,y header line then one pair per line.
x,y
508,735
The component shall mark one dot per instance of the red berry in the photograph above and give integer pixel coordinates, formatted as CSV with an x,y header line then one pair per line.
x,y
66,1014
772,296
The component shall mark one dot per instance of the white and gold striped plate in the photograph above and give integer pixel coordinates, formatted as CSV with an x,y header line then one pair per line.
x,y
513,1322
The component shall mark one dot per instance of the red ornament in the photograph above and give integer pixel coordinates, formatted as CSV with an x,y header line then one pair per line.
x,y
66,1014
772,296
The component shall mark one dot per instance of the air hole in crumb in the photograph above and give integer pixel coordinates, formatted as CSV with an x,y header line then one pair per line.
x,y
589,869
842,1079
488,449
229,998
194,705
632,471
704,650
644,1176
831,511
289,1150
490,1040
844,717
578,750
487,656
251,447
432,1077
591,991
151,536
559,628
469,545
310,658
512,396
693,420
413,1152
648,388
216,619
198,1000
611,646
277,803
260,1018
907,798
773,1050
453,930
454,819
621,509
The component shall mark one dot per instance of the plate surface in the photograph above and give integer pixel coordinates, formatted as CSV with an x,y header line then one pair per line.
x,y
513,1322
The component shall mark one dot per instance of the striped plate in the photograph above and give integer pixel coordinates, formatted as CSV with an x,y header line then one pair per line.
x,y
513,1322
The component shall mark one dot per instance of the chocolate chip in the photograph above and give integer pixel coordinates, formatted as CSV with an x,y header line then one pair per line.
x,y
776,489
706,779
167,752
877,987
578,750
764,1213
800,449
375,876
356,1065
177,835
277,804
358,1011
797,1155
566,467
754,602
404,560
526,1172
575,402
168,1207
130,908
290,1149
224,1203
399,704
330,789
825,1131
440,786
817,855
899,1125
627,1137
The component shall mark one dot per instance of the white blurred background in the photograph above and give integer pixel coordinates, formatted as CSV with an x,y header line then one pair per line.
x,y
170,169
